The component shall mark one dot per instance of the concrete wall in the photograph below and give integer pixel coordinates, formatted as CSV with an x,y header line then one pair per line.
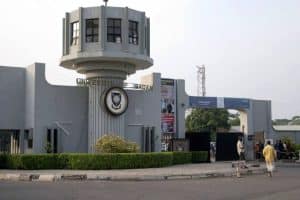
x,y
12,96
144,111
32,103
60,107
262,117
28,101
30,97
182,104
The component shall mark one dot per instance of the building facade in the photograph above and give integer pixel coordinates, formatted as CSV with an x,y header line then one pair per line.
x,y
106,44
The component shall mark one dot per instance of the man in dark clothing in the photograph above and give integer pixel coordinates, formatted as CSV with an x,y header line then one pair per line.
x,y
281,149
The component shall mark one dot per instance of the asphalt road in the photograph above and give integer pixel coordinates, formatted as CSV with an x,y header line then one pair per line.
x,y
284,185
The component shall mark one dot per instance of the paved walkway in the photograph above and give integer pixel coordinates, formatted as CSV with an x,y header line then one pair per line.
x,y
187,171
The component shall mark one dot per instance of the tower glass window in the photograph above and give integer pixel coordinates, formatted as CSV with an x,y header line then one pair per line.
x,y
75,33
114,30
133,33
92,30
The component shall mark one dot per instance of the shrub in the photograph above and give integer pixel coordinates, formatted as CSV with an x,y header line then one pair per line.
x,y
119,161
199,156
297,147
291,145
50,161
115,144
3,160
182,157
99,161
48,148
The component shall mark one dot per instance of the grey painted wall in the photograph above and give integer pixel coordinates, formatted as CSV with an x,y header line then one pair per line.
x,y
144,111
63,104
182,104
12,90
28,101
261,116
30,97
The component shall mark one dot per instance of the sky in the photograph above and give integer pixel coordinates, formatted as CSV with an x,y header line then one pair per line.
x,y
250,48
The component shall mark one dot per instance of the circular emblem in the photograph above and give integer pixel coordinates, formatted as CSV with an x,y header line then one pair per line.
x,y
116,101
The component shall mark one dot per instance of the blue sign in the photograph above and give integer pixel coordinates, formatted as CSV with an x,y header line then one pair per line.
x,y
203,102
236,103
216,102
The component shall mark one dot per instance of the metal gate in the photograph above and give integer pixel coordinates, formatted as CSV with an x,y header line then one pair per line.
x,y
226,146
199,141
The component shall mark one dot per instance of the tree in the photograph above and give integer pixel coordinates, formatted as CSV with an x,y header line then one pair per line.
x,y
295,120
234,119
281,122
207,120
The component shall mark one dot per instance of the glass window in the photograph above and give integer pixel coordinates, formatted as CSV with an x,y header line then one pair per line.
x,y
91,31
133,33
114,30
75,33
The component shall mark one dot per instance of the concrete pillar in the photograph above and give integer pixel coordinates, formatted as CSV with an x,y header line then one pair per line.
x,y
247,128
102,122
21,141
12,143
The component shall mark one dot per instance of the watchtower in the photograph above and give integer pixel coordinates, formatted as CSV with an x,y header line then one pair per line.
x,y
106,44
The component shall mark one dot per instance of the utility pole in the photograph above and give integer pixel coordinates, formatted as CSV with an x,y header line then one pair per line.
x,y
201,88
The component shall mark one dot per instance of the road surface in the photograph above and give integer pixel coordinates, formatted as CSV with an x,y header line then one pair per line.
x,y
284,185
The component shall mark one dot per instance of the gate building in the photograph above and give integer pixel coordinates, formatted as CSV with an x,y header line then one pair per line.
x,y
106,44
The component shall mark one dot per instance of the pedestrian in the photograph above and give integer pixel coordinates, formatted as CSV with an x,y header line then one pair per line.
x,y
212,152
276,147
240,149
270,156
281,150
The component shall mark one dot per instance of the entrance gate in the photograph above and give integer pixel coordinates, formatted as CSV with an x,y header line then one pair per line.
x,y
226,146
199,141
226,142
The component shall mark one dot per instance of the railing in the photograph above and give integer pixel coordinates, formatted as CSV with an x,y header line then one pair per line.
x,y
135,86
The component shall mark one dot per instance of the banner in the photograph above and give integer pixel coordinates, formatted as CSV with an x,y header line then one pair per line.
x,y
168,106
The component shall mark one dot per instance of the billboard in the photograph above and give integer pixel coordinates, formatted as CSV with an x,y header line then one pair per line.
x,y
168,107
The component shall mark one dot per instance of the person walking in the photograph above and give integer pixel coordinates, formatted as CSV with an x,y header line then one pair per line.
x,y
241,152
270,156
240,149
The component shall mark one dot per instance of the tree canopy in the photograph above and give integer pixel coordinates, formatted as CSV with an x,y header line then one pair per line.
x,y
234,119
294,121
207,120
